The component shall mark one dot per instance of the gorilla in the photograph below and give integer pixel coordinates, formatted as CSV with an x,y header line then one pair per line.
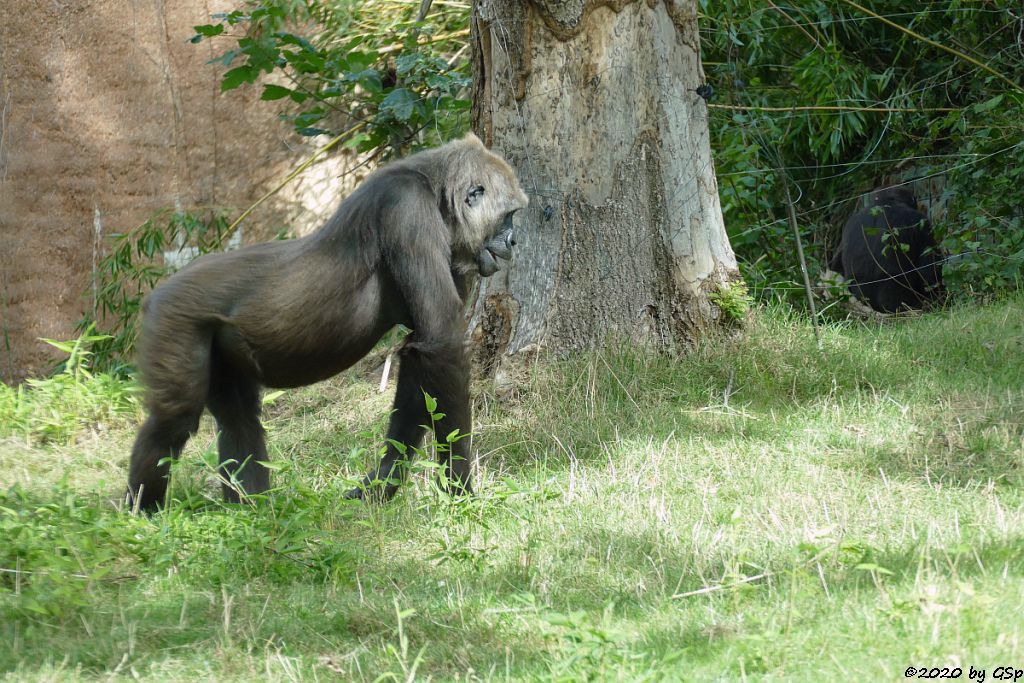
x,y
402,249
889,254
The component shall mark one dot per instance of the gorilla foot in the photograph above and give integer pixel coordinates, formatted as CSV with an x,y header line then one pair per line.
x,y
457,489
137,502
381,491
373,491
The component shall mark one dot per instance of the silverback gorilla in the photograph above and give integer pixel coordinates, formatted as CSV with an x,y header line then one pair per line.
x,y
888,253
401,249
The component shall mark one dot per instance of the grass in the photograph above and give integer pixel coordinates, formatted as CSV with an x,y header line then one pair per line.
x,y
756,509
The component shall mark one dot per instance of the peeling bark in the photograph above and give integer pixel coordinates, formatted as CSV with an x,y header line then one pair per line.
x,y
592,102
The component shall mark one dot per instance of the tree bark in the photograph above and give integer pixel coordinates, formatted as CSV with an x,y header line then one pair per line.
x,y
593,103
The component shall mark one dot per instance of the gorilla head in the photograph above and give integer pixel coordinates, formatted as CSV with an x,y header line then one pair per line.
x,y
482,198
894,196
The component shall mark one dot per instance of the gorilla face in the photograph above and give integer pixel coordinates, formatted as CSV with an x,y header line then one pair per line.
x,y
490,195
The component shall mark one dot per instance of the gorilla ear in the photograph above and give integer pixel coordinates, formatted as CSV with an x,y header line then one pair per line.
x,y
475,196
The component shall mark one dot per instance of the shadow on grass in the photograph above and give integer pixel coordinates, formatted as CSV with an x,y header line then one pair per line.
x,y
464,614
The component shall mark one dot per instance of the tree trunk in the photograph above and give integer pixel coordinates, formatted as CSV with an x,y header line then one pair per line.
x,y
593,103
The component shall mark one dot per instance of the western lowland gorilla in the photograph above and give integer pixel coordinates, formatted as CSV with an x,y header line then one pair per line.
x,y
401,249
889,254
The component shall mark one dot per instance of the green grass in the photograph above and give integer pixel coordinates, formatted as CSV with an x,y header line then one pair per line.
x,y
755,509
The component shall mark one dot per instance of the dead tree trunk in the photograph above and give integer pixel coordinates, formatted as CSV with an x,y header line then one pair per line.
x,y
593,103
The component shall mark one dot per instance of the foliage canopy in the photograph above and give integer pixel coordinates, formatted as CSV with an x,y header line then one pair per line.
x,y
878,106
379,67
821,95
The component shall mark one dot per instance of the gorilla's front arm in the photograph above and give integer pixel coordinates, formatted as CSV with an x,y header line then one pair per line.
x,y
433,358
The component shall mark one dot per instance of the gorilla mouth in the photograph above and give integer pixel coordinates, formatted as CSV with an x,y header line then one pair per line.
x,y
487,262
498,247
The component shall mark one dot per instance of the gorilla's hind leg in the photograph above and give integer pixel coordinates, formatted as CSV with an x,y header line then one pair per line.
x,y
407,419
234,401
160,437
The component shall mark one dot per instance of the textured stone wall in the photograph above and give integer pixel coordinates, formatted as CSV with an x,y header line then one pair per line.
x,y
108,113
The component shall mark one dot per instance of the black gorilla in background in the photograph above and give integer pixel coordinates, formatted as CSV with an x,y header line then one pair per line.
x,y
888,253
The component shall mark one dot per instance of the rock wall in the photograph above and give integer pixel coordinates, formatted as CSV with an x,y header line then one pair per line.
x,y
107,114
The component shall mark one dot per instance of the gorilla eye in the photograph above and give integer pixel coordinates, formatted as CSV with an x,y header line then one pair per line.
x,y
475,195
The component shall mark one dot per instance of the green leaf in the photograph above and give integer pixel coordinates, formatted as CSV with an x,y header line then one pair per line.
x,y
359,61
225,59
275,92
271,397
406,63
298,41
237,76
365,77
209,30
401,103
275,465
308,118
988,105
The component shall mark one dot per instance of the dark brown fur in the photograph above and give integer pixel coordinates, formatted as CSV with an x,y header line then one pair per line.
x,y
398,250
889,254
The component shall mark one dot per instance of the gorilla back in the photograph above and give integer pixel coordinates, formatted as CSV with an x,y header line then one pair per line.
x,y
401,249
889,254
